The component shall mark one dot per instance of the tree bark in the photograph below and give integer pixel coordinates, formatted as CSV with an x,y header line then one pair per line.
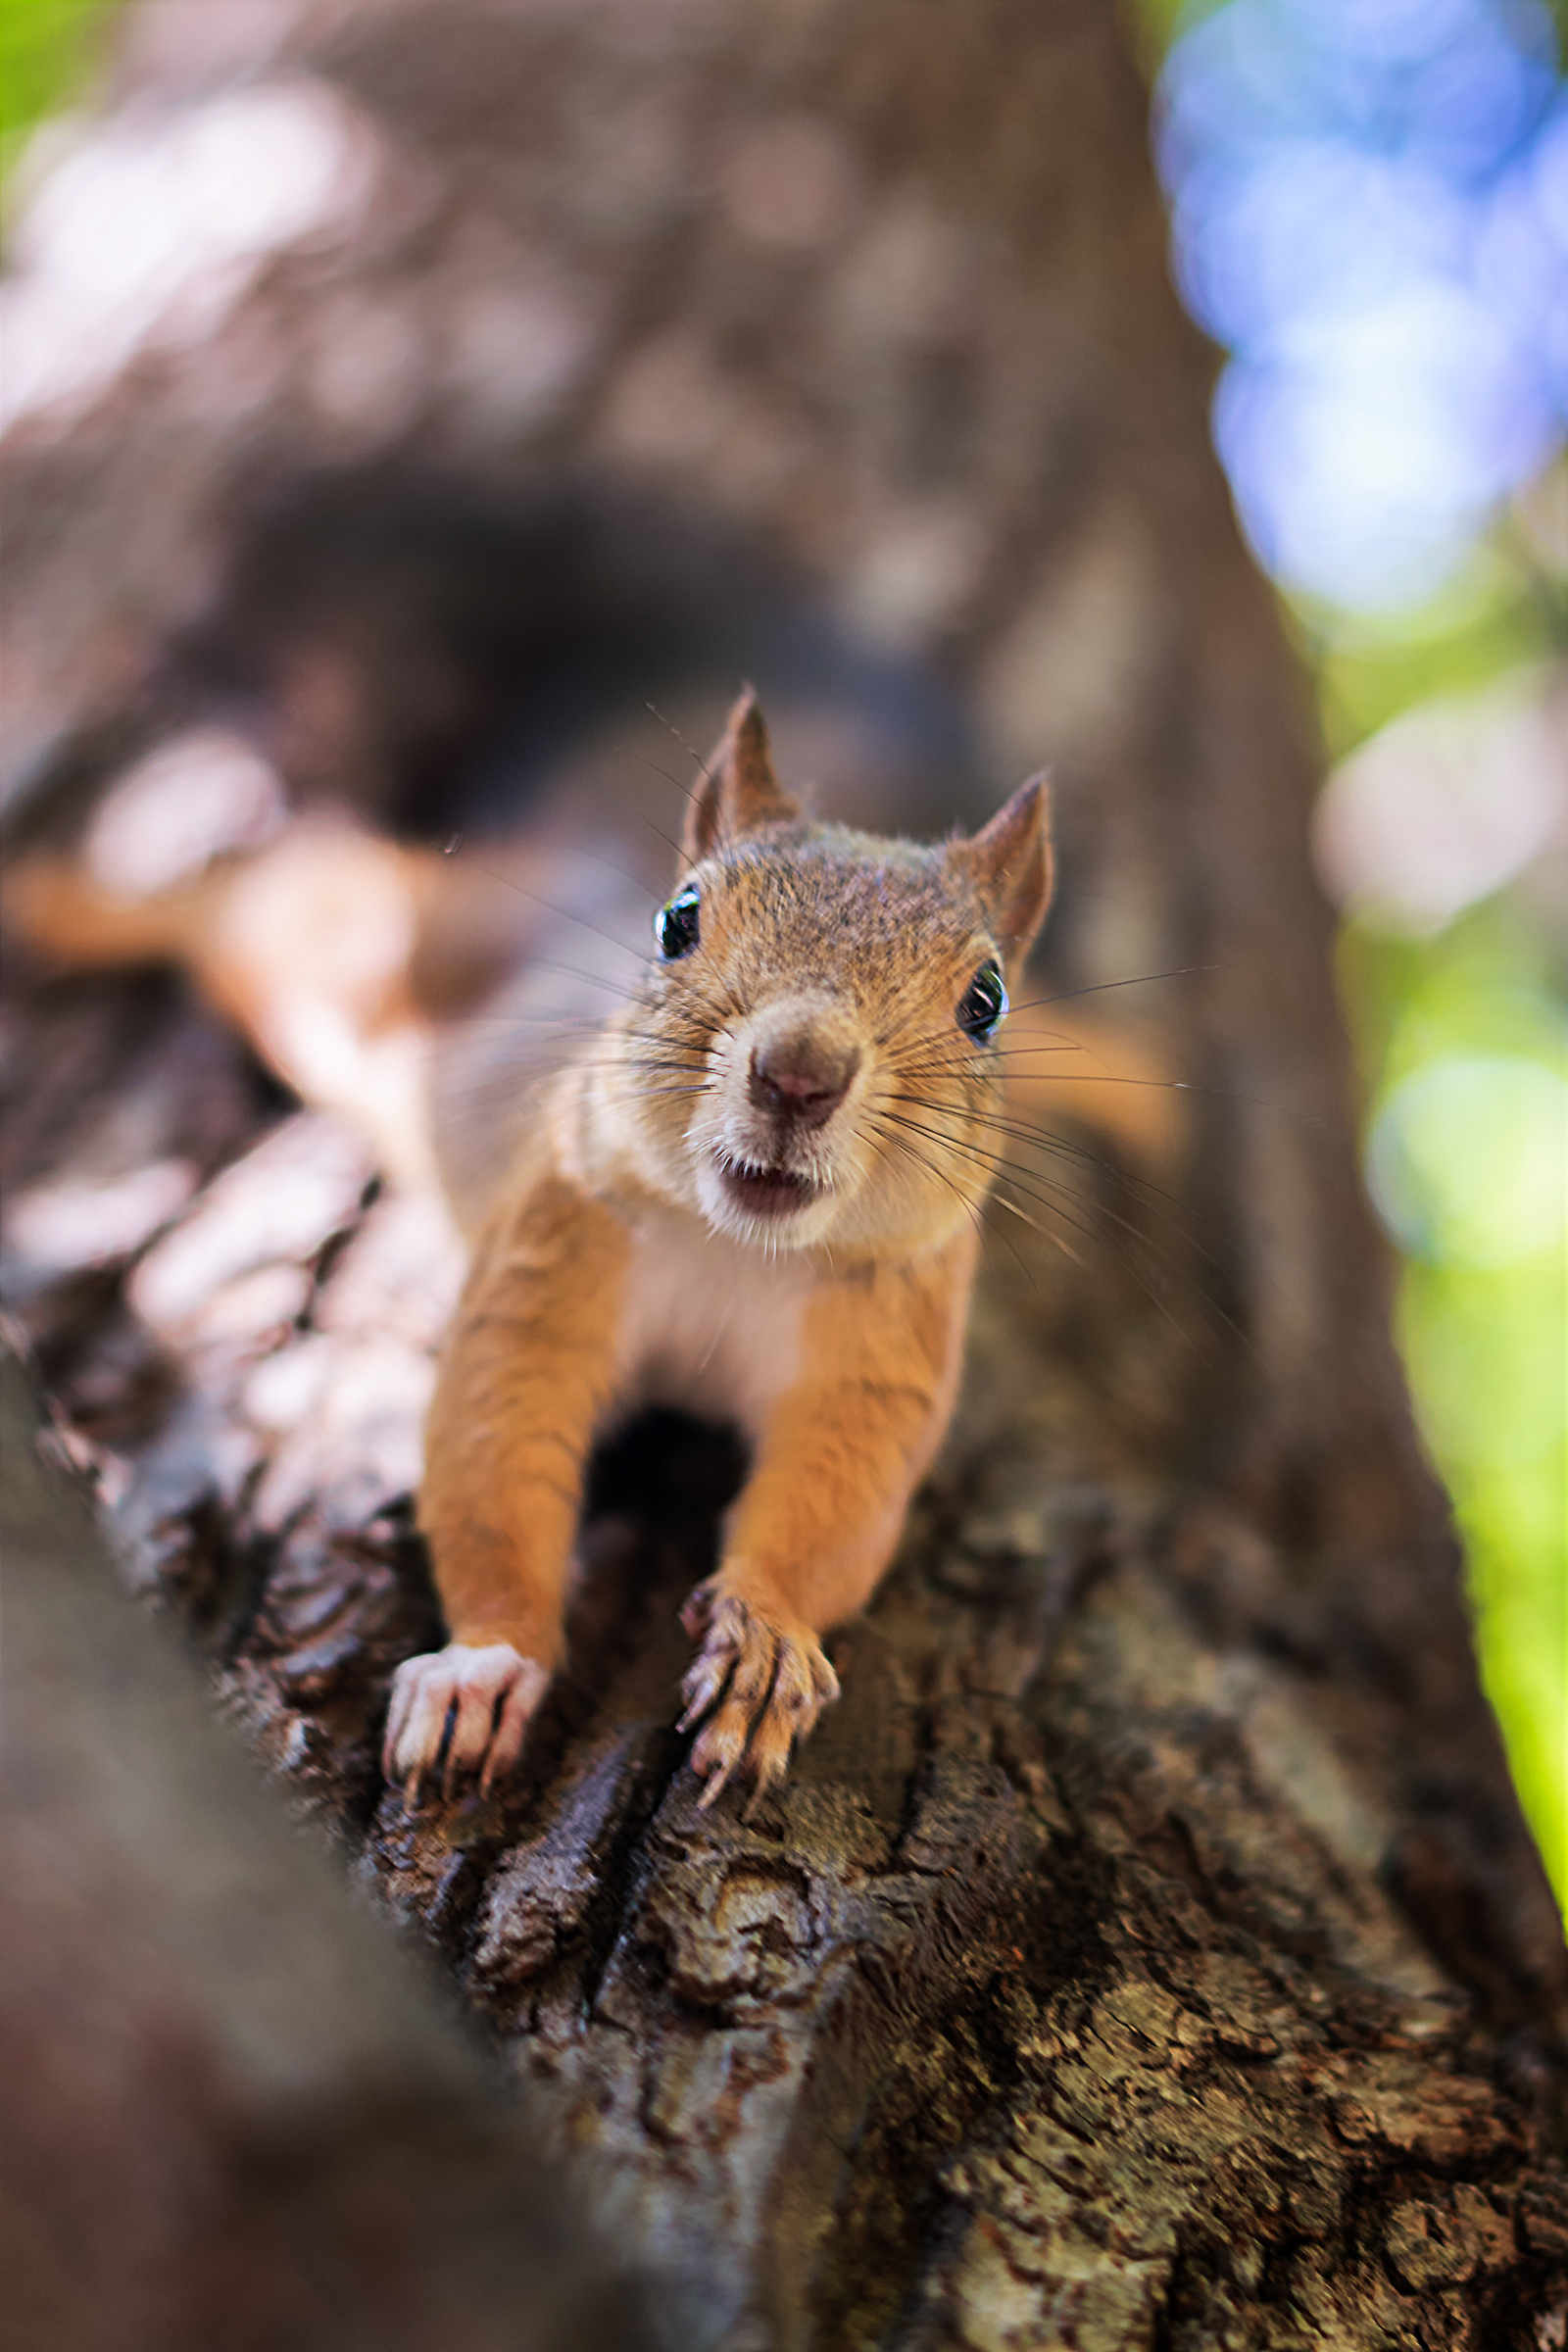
x,y
1147,1950
231,2113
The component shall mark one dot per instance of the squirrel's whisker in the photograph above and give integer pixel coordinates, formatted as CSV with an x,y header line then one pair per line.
x,y
1064,1146
974,1208
566,915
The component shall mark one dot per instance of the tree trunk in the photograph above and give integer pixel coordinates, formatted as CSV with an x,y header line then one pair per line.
x,y
1147,1950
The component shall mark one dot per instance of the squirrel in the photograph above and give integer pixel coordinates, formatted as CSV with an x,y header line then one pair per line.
x,y
755,1193
724,1207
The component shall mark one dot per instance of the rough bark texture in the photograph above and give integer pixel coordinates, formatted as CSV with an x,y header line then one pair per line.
x,y
230,2112
1147,1950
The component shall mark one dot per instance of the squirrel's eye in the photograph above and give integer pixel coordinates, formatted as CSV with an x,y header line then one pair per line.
x,y
982,1004
675,926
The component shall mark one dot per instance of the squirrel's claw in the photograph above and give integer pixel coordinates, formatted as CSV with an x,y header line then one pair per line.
x,y
474,1702
714,1758
516,1714
763,1687
702,1685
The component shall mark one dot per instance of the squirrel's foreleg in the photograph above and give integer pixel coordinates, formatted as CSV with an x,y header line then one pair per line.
x,y
527,1376
820,1516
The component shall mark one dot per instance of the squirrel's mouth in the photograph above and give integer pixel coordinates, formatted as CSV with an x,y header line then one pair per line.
x,y
765,1191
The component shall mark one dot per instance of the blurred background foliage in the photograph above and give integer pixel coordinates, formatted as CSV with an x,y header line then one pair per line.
x,y
1369,204
48,49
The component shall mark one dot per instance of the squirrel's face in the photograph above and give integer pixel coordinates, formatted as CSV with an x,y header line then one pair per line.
x,y
815,1059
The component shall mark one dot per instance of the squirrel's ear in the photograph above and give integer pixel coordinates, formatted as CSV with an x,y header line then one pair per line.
x,y
1010,865
738,789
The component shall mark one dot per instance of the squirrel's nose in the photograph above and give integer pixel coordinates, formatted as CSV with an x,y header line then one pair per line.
x,y
802,1079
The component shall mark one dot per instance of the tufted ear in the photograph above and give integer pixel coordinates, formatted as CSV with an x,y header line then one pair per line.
x,y
738,792
1010,865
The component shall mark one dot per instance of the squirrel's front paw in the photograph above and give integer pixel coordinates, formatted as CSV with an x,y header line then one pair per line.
x,y
763,1687
487,1695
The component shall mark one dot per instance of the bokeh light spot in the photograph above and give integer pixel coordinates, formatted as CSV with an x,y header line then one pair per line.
x,y
1467,1159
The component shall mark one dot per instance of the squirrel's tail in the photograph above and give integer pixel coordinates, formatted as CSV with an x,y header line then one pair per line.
x,y
60,912
351,964
308,945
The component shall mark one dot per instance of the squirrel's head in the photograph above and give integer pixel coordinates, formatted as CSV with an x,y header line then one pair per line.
x,y
815,1058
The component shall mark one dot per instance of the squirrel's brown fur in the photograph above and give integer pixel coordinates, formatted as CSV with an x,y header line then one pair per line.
x,y
755,1193
725,1205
